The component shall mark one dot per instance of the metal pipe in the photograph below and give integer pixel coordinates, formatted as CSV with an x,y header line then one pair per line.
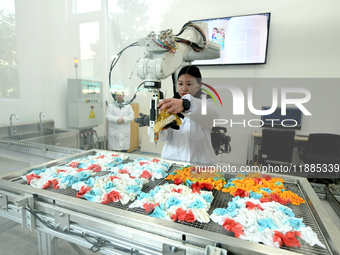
x,y
41,127
12,130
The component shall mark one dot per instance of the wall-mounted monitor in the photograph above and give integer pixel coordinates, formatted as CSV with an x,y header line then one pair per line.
x,y
292,119
243,39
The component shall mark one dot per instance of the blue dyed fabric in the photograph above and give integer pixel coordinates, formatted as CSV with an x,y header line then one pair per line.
x,y
38,171
295,223
133,189
82,165
230,184
207,197
165,165
83,176
172,202
232,209
111,164
138,181
220,211
92,194
266,223
109,186
158,213
118,160
278,184
121,166
149,195
157,189
159,170
197,204
286,211
90,182
268,190
255,195
188,183
70,180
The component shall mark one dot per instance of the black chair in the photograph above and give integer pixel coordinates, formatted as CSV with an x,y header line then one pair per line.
x,y
277,146
323,149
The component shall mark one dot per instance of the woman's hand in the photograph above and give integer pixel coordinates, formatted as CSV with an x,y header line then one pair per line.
x,y
173,105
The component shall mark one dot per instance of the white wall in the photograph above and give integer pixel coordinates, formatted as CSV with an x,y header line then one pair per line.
x,y
303,43
47,42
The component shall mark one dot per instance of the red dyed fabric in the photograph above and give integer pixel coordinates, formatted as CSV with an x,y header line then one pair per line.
x,y
150,207
275,197
83,191
146,175
233,226
80,170
258,181
155,160
143,163
61,171
101,156
251,206
47,185
30,177
177,190
74,164
112,177
287,239
205,185
94,167
178,181
196,190
265,199
183,216
55,184
123,171
115,196
106,199
241,193
266,177
114,155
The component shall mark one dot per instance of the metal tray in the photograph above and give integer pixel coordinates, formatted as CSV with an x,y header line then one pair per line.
x,y
299,186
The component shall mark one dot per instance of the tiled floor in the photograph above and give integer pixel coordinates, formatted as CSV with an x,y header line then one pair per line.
x,y
17,241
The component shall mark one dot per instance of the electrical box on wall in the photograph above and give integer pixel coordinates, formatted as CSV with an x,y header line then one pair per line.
x,y
85,103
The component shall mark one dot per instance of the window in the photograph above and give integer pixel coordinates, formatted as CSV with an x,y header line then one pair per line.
x,y
83,6
89,43
9,75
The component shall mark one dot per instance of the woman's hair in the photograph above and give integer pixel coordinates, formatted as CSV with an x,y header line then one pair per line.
x,y
193,71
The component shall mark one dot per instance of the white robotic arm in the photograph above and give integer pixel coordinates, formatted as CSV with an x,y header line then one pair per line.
x,y
166,52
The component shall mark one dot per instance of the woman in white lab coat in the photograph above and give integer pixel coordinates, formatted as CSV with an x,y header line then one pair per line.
x,y
119,118
192,142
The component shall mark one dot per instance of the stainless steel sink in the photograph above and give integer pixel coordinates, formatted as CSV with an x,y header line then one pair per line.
x,y
45,132
58,137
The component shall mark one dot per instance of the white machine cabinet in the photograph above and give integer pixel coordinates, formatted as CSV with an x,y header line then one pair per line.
x,y
85,103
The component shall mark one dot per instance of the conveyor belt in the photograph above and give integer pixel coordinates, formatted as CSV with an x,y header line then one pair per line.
x,y
221,201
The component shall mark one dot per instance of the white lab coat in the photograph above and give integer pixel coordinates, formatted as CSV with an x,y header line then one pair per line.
x,y
192,142
119,134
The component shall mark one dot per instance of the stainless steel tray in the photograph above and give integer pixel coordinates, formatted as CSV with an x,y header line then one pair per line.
x,y
311,212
